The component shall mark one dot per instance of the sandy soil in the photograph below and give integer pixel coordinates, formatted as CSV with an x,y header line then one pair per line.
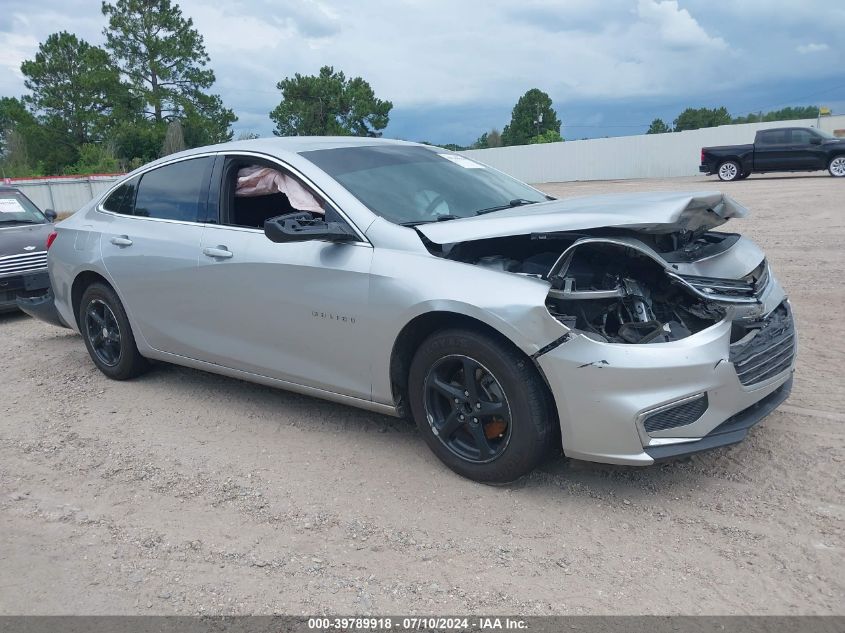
x,y
185,492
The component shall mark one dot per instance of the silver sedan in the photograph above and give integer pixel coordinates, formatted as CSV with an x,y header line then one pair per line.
x,y
412,281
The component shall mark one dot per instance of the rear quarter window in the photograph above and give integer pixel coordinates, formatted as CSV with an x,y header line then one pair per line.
x,y
122,199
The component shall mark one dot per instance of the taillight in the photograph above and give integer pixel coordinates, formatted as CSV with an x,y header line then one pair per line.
x,y
50,239
702,155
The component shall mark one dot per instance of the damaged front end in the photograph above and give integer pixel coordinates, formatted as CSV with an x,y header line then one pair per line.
x,y
619,287
680,337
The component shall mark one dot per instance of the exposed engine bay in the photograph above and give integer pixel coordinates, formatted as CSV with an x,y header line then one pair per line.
x,y
621,286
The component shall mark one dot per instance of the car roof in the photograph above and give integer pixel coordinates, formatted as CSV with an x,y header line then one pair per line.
x,y
281,145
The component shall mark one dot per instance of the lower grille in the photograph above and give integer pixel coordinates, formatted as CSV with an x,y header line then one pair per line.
x,y
770,351
23,263
679,415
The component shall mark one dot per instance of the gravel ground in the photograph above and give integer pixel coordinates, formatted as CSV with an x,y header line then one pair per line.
x,y
186,492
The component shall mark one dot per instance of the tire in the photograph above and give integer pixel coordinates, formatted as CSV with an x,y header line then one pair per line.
x,y
729,170
107,334
836,166
513,410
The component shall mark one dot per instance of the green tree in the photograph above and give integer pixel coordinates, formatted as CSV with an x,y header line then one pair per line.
x,y
532,116
329,104
489,139
658,127
174,139
95,158
29,143
784,114
696,118
549,136
164,59
73,84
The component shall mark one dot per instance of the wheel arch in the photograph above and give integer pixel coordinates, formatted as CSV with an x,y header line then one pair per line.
x,y
82,280
424,325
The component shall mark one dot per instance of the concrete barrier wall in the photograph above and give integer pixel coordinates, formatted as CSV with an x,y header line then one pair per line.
x,y
622,157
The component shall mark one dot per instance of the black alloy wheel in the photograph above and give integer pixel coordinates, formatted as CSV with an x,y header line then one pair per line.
x,y
107,333
103,332
467,409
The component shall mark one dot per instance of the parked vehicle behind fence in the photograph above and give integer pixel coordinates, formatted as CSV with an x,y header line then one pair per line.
x,y
781,149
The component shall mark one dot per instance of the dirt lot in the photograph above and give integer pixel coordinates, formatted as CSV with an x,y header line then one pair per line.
x,y
185,492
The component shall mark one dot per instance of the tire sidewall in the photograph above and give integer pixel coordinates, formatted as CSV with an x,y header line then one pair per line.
x,y
530,419
128,361
830,167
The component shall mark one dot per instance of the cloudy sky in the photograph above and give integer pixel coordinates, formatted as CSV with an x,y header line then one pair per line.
x,y
454,69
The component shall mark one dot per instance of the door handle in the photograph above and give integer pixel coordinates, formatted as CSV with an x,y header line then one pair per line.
x,y
220,252
122,240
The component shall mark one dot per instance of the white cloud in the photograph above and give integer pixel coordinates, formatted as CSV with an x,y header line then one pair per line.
x,y
421,53
676,26
14,49
812,48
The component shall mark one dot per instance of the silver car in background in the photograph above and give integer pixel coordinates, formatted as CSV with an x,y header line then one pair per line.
x,y
412,281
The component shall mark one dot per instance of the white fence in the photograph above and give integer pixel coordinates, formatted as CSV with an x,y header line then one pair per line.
x,y
63,194
622,157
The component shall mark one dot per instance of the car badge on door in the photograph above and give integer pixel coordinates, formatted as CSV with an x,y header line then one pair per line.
x,y
29,248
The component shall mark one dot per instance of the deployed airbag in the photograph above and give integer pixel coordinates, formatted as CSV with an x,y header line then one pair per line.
x,y
264,181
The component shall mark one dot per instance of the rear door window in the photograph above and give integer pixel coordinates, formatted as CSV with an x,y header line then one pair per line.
x,y
122,199
175,192
773,137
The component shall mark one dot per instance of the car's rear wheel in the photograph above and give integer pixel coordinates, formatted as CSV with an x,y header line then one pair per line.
x,y
837,166
729,170
480,405
108,335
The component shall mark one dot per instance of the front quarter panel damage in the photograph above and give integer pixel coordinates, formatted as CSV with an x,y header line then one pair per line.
x,y
406,285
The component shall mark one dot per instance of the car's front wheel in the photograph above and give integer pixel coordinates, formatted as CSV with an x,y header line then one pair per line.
x,y
481,406
730,170
837,166
107,334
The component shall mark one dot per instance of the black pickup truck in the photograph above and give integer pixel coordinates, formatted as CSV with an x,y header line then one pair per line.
x,y
781,149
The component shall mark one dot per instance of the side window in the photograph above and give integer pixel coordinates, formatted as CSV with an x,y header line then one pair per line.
x,y
255,192
773,137
175,192
122,199
802,137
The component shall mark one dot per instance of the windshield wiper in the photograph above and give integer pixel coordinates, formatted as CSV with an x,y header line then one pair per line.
x,y
18,222
439,218
517,202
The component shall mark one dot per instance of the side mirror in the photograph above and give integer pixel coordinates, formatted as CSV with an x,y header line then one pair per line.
x,y
815,140
50,215
303,227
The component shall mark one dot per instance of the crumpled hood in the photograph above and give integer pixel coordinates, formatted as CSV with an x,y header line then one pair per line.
x,y
15,239
653,212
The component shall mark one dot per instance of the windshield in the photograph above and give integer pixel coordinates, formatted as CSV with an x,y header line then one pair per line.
x,y
409,184
824,134
17,209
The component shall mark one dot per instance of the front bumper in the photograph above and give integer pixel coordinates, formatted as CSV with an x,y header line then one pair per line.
x,y
603,393
30,284
42,308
